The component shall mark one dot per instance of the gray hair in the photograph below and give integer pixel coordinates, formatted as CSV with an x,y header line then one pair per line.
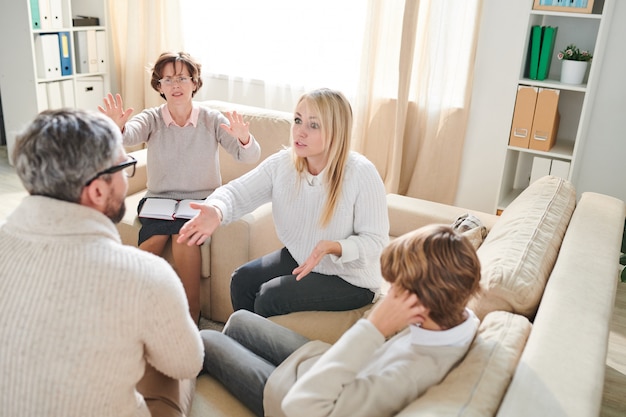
x,y
62,149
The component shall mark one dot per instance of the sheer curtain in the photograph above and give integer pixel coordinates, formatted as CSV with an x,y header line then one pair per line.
x,y
406,66
267,53
141,30
414,93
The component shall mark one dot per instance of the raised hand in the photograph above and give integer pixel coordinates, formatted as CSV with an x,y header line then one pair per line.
x,y
238,128
114,108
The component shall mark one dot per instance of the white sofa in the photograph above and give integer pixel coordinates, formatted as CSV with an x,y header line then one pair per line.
x,y
549,270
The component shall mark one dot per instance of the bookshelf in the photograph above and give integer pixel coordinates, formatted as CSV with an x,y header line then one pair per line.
x,y
30,78
588,31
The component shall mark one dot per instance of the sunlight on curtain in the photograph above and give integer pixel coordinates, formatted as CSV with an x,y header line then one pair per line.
x,y
414,93
405,65
289,44
141,31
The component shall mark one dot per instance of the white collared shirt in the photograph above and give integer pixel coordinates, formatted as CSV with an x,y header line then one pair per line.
x,y
457,336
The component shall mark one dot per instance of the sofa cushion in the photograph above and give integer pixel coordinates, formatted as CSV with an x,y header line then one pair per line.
x,y
327,326
476,386
271,128
520,250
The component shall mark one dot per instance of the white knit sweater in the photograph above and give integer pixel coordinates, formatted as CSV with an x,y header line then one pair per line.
x,y
81,313
360,223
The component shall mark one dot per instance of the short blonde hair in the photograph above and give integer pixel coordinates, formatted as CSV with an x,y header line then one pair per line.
x,y
335,115
438,265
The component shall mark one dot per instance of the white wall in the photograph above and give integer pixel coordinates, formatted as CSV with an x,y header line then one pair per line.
x,y
501,41
602,166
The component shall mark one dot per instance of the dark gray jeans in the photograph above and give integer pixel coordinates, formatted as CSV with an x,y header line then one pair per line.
x,y
244,356
267,287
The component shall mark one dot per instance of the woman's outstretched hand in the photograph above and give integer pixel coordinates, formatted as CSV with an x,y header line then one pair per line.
x,y
238,128
200,227
114,108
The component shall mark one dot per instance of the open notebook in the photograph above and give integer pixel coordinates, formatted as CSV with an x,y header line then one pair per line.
x,y
168,209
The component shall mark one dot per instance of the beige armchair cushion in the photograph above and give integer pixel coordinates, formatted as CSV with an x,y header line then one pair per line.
x,y
476,386
520,250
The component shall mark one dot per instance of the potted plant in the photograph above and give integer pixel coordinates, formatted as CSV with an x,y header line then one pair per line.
x,y
575,64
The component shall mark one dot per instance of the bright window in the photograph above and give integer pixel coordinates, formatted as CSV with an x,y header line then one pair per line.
x,y
285,42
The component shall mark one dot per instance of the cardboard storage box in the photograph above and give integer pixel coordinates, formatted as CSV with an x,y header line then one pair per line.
x,y
546,120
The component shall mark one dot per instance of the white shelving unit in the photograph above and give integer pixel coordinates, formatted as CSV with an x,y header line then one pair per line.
x,y
587,32
26,90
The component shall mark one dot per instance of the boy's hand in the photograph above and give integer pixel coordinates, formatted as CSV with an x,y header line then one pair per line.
x,y
396,310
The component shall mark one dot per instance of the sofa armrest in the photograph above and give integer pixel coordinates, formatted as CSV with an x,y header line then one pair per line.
x,y
138,182
409,213
562,367
233,245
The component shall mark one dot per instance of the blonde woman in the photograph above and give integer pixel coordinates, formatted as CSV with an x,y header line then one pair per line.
x,y
330,212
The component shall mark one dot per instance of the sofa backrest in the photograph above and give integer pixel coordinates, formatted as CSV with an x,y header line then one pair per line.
x,y
271,128
520,250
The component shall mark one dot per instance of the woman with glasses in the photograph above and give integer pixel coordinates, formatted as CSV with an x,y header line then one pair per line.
x,y
182,140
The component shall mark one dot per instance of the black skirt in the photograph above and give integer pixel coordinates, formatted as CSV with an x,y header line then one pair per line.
x,y
152,227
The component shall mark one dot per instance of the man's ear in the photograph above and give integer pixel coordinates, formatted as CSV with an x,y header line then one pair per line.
x,y
95,195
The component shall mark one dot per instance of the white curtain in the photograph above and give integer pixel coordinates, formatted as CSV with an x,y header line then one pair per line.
x,y
414,93
141,31
410,92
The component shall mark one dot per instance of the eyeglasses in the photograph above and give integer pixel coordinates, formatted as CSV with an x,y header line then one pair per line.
x,y
127,166
169,81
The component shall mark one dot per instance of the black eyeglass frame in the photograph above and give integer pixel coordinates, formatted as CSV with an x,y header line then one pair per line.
x,y
131,162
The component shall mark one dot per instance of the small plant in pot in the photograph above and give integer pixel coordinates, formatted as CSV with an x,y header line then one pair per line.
x,y
575,64
572,53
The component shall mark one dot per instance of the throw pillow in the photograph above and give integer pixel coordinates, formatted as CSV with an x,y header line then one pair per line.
x,y
476,386
520,250
472,228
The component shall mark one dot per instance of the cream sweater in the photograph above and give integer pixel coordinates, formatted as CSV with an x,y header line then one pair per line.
x,y
81,314
361,374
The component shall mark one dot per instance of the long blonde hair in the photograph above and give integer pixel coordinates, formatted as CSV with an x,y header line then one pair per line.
x,y
335,115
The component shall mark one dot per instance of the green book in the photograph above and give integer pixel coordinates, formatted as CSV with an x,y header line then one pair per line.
x,y
535,46
547,47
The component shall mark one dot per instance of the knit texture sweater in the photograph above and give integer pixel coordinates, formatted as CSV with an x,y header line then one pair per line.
x,y
183,162
362,375
81,315
360,222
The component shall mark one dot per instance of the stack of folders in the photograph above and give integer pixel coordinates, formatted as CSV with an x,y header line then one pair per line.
x,y
546,166
90,51
535,118
46,14
53,55
541,49
55,94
